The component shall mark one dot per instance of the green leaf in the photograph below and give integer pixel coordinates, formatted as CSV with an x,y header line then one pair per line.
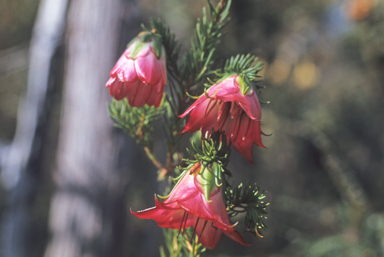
x,y
146,37
135,122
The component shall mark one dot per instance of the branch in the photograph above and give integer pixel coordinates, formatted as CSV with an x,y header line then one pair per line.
x,y
163,170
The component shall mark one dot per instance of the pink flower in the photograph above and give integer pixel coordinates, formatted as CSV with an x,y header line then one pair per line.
x,y
140,74
231,107
186,206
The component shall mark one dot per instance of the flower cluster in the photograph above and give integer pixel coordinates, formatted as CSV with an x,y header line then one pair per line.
x,y
228,114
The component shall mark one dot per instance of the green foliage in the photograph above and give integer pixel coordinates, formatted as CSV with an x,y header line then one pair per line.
x,y
198,60
172,101
181,244
249,200
247,66
171,120
167,38
135,122
213,155
214,149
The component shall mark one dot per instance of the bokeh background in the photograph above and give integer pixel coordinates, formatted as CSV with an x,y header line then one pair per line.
x,y
68,179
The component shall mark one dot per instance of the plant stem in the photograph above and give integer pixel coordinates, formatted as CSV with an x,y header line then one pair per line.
x,y
154,160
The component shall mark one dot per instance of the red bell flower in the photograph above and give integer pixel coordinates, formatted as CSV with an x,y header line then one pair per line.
x,y
230,106
187,206
140,74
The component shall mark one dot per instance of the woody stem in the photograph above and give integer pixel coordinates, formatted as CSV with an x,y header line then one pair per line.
x,y
154,160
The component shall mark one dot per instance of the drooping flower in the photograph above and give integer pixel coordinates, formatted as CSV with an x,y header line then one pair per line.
x,y
230,106
140,74
187,206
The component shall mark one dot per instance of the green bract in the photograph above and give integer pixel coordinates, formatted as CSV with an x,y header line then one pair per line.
x,y
136,47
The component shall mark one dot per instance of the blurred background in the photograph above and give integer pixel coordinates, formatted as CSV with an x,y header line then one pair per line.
x,y
68,178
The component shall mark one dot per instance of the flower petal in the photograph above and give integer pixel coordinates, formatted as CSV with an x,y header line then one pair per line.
x,y
143,93
159,87
117,89
155,99
226,90
195,206
149,213
217,210
166,218
149,69
244,146
176,220
127,73
209,120
235,236
133,88
256,133
200,100
209,236
243,143
196,119
251,105
184,190
119,64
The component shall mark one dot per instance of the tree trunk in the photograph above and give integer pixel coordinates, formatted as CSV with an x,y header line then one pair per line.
x,y
22,164
88,210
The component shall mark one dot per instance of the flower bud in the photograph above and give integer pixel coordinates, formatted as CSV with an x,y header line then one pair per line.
x,y
140,74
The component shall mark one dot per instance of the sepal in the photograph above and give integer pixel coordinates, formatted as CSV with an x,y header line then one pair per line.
x,y
212,154
206,180
136,47
158,48
145,36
